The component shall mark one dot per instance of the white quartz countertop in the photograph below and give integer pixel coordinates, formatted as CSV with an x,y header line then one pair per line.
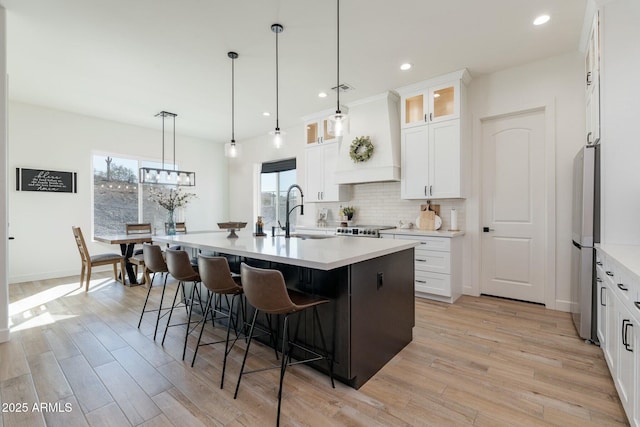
x,y
323,254
418,232
627,255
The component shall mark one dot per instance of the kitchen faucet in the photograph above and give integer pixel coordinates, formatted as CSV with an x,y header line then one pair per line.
x,y
287,225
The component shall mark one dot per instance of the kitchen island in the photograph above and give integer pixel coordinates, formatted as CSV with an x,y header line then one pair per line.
x,y
370,283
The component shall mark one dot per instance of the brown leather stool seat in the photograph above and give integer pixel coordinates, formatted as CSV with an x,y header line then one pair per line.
x,y
180,268
154,262
266,291
217,278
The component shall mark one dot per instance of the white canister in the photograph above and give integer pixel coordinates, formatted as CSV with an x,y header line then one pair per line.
x,y
454,219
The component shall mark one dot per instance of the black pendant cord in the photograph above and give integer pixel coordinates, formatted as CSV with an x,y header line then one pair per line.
x,y
233,85
174,142
277,88
163,141
338,61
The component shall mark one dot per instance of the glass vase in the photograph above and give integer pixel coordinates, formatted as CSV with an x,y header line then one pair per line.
x,y
171,224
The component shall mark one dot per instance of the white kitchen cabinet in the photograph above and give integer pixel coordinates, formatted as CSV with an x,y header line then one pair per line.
x,y
434,138
592,83
320,166
603,305
430,104
319,129
438,266
431,161
619,268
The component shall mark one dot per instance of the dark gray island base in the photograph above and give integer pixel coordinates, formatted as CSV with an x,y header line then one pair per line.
x,y
370,317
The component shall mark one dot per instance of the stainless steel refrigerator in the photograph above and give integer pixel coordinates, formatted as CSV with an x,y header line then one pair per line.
x,y
585,233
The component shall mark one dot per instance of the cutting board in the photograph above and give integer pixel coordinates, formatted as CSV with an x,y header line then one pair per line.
x,y
427,218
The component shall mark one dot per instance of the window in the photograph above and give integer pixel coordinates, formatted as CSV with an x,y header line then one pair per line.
x,y
275,180
115,194
118,199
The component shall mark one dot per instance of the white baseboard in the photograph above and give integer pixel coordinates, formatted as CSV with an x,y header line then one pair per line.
x,y
563,306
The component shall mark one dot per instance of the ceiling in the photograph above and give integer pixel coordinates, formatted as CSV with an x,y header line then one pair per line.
x,y
126,60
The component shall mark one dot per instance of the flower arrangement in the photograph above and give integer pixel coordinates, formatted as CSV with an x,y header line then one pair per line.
x,y
171,199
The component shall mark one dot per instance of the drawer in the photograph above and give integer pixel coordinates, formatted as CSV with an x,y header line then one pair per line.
x,y
433,261
429,243
433,283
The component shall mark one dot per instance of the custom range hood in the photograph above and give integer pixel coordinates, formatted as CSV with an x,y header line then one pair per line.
x,y
379,118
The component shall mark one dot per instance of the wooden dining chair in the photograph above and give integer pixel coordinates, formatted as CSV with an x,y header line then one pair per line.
x,y
138,259
89,261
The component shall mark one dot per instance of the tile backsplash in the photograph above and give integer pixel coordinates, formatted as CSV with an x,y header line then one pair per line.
x,y
379,203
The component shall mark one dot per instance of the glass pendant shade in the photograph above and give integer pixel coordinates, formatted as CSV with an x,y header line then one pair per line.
x,y
232,149
278,138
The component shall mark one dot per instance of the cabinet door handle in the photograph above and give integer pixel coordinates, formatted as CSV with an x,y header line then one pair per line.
x,y
421,281
637,304
599,263
430,117
589,137
622,287
421,260
425,118
589,78
431,190
425,190
626,323
610,274
423,243
599,280
602,302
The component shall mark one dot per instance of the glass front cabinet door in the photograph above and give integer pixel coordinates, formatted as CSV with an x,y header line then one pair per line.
x,y
431,105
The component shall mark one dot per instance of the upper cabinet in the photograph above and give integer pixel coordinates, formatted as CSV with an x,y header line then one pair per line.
x,y
434,138
592,83
319,129
431,104
320,166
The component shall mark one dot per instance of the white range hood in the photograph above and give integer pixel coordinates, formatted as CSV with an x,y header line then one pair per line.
x,y
379,118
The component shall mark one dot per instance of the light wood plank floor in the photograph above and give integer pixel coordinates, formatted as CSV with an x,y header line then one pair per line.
x,y
481,361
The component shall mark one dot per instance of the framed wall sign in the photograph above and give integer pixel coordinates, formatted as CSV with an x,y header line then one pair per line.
x,y
46,180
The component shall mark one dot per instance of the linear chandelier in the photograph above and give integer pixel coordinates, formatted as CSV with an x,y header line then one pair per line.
x,y
163,176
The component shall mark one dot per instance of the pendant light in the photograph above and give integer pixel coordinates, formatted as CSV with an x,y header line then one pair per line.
x,y
231,149
339,119
277,133
152,175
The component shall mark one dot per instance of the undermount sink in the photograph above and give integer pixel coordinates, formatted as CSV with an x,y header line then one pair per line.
x,y
310,236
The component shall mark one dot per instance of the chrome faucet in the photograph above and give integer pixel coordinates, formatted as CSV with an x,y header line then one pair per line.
x,y
287,224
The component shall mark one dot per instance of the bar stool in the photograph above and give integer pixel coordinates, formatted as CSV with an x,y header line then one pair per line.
x,y
216,277
153,262
180,268
266,291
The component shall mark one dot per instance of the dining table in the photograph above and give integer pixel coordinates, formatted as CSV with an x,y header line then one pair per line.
x,y
127,243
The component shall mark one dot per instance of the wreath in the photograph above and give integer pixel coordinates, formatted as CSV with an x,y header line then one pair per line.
x,y
361,149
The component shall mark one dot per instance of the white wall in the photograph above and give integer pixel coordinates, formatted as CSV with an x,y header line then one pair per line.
x,y
620,110
41,223
556,81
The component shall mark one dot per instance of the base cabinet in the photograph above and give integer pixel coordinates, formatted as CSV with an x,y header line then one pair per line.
x,y
437,267
619,322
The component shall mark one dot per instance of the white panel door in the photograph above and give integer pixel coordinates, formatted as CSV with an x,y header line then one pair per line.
x,y
513,198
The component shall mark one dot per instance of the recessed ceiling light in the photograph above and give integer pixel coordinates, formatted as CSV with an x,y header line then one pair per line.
x,y
322,95
406,66
542,19
266,114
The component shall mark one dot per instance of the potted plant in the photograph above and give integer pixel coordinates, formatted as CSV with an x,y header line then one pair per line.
x,y
170,200
348,211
